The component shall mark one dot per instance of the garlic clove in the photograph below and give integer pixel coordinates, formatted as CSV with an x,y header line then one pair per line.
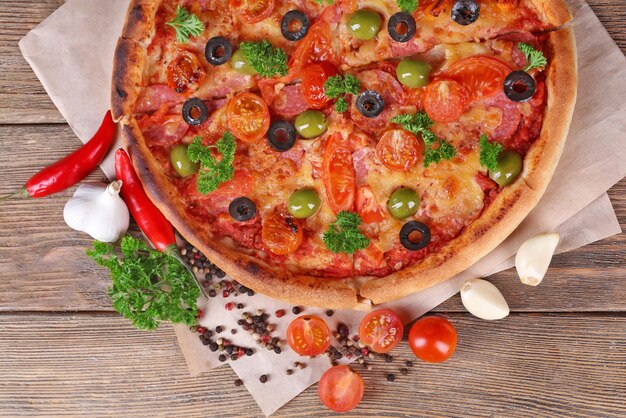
x,y
534,256
483,300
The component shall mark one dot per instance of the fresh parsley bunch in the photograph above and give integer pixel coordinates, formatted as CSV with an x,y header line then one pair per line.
x,y
148,286
337,86
212,173
344,235
186,25
489,152
265,59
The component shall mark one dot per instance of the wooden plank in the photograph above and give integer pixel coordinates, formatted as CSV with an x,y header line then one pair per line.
x,y
44,268
23,100
529,365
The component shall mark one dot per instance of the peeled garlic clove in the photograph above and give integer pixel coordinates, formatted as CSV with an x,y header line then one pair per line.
x,y
483,300
534,256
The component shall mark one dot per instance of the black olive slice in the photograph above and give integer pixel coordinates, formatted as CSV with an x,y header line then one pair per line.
x,y
295,25
401,27
281,135
408,238
218,50
519,86
465,12
370,103
242,209
195,112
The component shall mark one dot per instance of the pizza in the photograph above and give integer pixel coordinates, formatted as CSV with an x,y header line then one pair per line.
x,y
346,153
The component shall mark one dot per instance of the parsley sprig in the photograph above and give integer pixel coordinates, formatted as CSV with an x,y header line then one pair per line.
x,y
148,286
408,6
436,149
186,25
329,2
212,173
337,86
489,152
534,58
265,59
344,235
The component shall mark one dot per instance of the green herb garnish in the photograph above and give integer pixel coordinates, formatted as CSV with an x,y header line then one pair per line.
x,y
148,286
265,59
337,86
212,173
329,2
408,6
436,149
344,235
186,24
534,58
489,152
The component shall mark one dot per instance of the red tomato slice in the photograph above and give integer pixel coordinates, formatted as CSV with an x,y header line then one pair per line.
x,y
481,75
381,330
248,117
308,335
339,176
399,150
445,100
367,206
315,47
433,339
185,73
281,233
341,389
313,78
369,259
251,11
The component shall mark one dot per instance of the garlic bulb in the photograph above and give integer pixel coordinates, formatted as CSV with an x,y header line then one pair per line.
x,y
534,256
98,210
482,299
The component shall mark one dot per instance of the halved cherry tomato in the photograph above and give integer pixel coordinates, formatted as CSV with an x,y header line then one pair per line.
x,y
341,389
313,78
281,233
399,150
315,47
308,335
251,11
381,330
248,117
339,176
433,339
445,100
367,206
185,73
481,75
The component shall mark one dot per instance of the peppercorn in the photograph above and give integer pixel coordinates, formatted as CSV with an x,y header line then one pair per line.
x,y
233,357
233,331
213,346
220,274
249,352
250,292
208,276
229,349
240,306
296,310
212,293
409,363
289,372
205,341
391,377
330,312
343,330
238,382
404,371
219,329
263,378
277,350
388,358
222,358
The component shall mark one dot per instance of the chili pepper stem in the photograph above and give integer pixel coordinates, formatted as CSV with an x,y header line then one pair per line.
x,y
21,193
172,251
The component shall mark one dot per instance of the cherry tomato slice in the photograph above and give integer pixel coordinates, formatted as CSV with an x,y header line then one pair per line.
x,y
341,389
339,176
433,339
316,46
248,117
381,330
445,100
481,75
281,233
367,206
313,78
185,73
251,11
399,150
308,335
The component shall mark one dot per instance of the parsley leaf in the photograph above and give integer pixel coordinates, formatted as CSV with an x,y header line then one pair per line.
x,y
265,59
212,172
148,286
322,2
186,24
344,235
341,105
408,6
436,149
489,152
337,86
534,58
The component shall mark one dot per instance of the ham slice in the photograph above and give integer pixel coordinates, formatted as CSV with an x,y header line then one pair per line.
x,y
153,97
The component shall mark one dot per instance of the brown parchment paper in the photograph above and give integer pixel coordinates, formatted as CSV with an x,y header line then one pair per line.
x,y
74,67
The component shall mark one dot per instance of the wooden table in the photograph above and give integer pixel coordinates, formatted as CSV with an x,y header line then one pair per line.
x,y
562,351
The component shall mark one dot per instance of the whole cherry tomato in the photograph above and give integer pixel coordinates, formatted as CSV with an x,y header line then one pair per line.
x,y
381,330
433,339
341,388
308,335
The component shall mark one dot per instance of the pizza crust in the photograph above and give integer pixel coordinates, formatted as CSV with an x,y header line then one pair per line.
x,y
554,12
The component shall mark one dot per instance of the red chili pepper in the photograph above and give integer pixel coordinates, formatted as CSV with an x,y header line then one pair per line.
x,y
76,166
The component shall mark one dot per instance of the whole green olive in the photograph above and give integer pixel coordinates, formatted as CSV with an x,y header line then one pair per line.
x,y
180,161
509,167
364,24
403,203
311,123
240,64
304,203
413,73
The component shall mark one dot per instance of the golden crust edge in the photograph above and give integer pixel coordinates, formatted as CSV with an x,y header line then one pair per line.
x,y
554,12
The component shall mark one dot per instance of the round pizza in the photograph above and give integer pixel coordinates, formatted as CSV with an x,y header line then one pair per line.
x,y
348,152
